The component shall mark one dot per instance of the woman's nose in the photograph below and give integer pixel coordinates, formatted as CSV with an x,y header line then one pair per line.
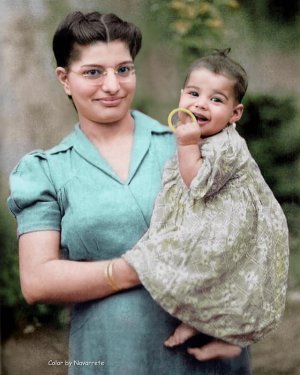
x,y
110,82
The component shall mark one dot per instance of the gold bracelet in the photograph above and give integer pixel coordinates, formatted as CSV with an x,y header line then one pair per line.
x,y
109,277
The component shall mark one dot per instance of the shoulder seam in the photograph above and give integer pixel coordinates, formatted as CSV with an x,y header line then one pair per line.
x,y
63,147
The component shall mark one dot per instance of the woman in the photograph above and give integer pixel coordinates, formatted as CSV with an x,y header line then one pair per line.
x,y
89,199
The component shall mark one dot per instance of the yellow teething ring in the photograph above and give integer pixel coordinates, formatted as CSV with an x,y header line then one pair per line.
x,y
179,110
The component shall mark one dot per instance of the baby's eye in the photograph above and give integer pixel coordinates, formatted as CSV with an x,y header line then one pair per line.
x,y
216,100
93,73
193,93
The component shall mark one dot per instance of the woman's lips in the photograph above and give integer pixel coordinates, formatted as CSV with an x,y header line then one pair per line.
x,y
109,101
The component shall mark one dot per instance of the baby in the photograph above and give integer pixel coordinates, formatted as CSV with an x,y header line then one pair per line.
x,y
216,253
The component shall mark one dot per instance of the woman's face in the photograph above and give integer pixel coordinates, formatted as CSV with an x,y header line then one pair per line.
x,y
104,100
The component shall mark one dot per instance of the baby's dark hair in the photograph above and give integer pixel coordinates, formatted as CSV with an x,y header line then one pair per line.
x,y
218,62
85,29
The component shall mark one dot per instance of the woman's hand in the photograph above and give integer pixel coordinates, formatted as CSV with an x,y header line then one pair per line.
x,y
215,350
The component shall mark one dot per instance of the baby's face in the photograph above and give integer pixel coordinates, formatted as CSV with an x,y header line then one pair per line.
x,y
210,97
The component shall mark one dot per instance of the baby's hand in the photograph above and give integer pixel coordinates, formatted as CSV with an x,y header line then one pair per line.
x,y
188,134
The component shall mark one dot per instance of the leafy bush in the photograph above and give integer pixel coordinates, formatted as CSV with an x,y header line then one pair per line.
x,y
195,26
15,312
268,125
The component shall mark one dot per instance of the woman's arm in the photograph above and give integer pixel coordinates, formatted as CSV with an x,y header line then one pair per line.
x,y
45,278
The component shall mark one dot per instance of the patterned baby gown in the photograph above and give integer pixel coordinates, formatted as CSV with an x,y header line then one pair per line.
x,y
216,253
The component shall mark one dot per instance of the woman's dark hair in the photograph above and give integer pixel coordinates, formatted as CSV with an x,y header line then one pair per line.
x,y
218,62
85,29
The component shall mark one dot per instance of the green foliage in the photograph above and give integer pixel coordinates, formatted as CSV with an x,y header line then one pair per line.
x,y
292,212
195,25
15,312
268,125
274,23
275,10
10,291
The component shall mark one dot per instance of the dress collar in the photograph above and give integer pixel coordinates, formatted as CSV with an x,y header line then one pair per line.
x,y
144,127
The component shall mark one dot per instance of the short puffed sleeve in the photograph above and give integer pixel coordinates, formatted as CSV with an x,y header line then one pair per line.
x,y
33,199
222,157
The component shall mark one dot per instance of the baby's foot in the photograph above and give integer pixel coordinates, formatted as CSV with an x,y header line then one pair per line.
x,y
182,333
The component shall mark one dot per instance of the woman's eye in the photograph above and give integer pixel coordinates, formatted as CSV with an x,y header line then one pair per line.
x,y
93,73
124,70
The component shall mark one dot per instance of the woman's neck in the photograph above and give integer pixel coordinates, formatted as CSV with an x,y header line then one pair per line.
x,y
104,133
114,142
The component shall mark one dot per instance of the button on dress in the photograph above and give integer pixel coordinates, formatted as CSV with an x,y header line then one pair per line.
x,y
71,188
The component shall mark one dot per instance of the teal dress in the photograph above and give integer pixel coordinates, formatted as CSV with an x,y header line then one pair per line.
x,y
71,189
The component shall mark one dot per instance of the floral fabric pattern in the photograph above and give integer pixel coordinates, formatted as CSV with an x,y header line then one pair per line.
x,y
216,253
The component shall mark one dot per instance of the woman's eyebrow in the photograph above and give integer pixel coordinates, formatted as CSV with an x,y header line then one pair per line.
x,y
102,66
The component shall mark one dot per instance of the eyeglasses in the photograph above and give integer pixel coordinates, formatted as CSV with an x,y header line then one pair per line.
x,y
95,75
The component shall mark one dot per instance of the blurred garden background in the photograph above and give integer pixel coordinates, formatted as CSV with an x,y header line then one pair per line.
x,y
264,36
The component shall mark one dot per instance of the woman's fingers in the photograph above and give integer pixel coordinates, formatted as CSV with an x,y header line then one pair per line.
x,y
215,350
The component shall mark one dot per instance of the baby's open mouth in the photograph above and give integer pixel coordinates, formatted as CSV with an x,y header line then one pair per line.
x,y
201,119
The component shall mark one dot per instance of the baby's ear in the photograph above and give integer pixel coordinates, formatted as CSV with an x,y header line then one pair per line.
x,y
237,113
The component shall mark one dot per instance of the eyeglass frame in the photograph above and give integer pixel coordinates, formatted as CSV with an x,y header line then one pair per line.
x,y
99,79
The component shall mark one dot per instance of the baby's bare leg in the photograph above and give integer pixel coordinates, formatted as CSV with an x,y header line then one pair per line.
x,y
182,333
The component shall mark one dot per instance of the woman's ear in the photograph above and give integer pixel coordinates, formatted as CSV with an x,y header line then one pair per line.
x,y
62,76
237,113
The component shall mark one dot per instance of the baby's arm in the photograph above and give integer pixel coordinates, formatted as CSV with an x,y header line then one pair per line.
x,y
189,154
